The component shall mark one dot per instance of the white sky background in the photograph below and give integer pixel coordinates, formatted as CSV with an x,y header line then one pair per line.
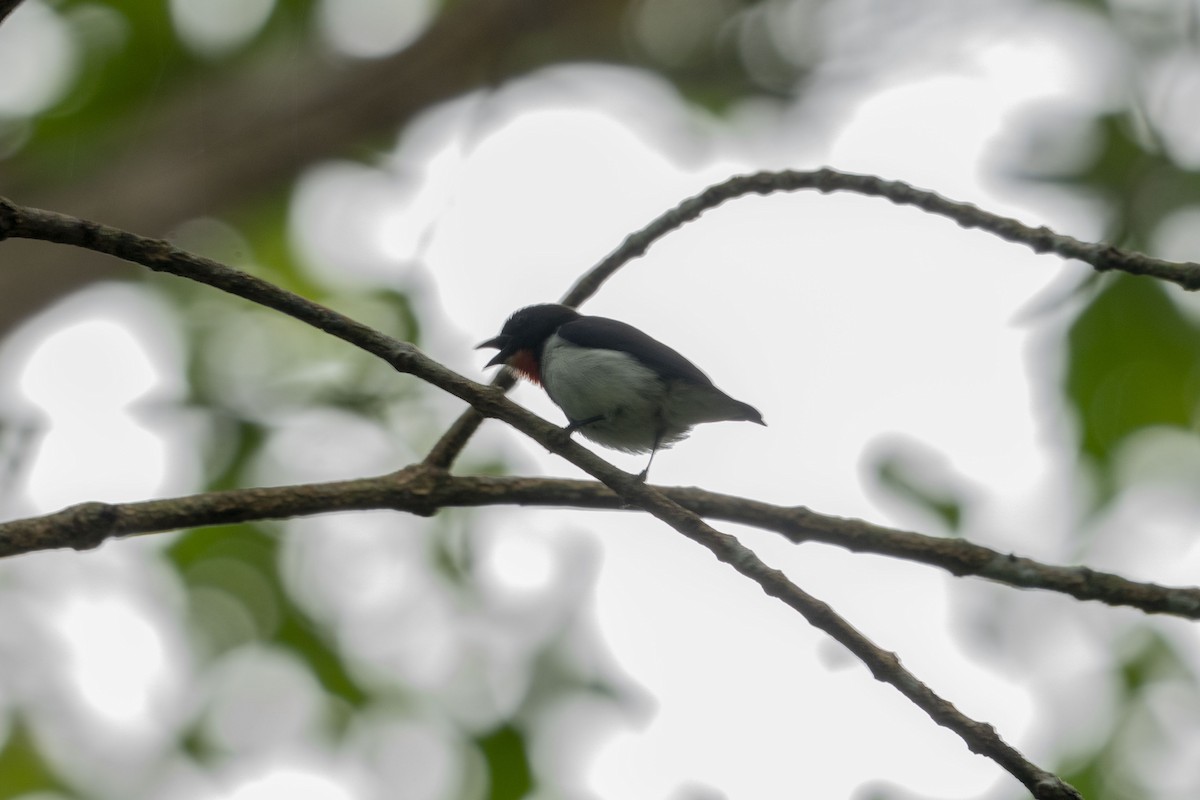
x,y
845,320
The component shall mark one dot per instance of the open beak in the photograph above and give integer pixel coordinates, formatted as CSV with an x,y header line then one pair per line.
x,y
501,342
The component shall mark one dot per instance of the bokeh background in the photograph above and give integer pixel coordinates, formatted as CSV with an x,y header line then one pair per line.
x,y
428,168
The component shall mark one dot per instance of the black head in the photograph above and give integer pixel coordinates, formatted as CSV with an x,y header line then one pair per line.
x,y
528,329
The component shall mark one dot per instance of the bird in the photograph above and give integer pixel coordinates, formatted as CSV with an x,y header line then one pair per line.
x,y
617,385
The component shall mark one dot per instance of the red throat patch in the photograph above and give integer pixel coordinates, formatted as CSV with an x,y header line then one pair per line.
x,y
524,362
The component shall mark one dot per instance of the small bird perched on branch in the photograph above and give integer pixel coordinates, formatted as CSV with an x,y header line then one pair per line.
x,y
618,386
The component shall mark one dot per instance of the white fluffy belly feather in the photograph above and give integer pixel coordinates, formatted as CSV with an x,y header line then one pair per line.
x,y
586,383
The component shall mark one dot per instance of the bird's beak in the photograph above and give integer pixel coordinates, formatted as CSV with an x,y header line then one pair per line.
x,y
503,343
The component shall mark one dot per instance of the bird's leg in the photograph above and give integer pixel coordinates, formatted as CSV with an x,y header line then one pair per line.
x,y
642,475
577,424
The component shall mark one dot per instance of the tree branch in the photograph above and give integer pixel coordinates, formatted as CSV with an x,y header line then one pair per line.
x,y
1102,257
956,556
424,489
7,7
447,448
491,402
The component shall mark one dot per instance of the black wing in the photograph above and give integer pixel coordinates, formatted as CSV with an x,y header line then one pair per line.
x,y
609,334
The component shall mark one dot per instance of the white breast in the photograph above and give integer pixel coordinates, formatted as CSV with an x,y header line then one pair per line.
x,y
585,383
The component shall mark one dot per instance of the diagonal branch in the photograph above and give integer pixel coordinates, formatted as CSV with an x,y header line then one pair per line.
x,y
885,666
423,490
447,448
7,7
160,256
225,139
491,402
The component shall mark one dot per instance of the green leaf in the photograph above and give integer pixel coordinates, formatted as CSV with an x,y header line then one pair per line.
x,y
22,768
1153,658
508,764
1139,184
1133,362
915,476
239,564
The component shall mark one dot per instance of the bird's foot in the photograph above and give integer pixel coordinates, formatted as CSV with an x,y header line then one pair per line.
x,y
576,424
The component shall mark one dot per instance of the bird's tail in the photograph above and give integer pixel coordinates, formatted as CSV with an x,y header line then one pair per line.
x,y
710,404
745,412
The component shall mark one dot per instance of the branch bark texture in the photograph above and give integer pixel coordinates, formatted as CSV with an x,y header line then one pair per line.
x,y
1041,239
423,490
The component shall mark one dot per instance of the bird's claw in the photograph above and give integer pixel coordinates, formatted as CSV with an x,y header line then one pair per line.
x,y
576,424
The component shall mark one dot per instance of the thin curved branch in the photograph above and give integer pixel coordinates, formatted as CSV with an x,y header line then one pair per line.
x,y
1102,257
491,402
423,489
1041,240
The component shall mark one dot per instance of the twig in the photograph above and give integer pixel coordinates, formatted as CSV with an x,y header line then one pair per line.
x,y
490,401
447,448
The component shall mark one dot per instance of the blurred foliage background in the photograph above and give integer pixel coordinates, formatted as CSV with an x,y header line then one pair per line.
x,y
198,119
